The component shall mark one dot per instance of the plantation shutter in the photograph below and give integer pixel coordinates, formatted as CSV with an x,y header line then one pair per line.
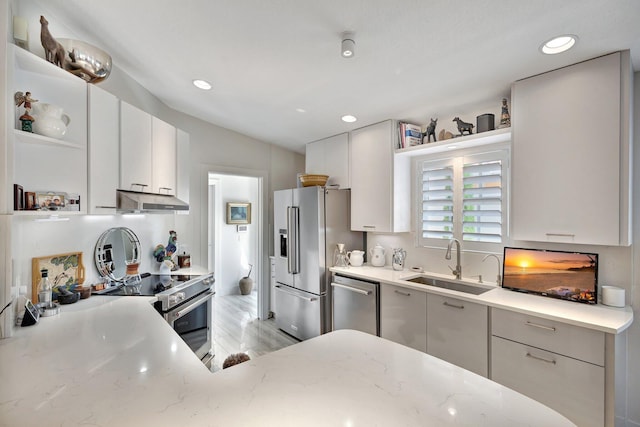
x,y
482,195
437,200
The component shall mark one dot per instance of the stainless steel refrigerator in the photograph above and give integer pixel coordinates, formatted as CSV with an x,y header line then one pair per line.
x,y
308,224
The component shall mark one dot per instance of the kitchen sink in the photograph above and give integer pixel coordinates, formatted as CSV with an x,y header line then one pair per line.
x,y
446,284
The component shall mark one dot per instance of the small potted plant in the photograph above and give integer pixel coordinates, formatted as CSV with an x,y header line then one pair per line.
x,y
246,283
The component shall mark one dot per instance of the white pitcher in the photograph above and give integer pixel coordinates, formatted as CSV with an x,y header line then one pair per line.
x,y
377,254
50,120
356,258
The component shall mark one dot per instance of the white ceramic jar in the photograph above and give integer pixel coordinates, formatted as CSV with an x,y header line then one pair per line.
x,y
377,254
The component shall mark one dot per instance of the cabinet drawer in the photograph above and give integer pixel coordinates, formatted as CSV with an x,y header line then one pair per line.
x,y
571,387
402,316
569,340
457,331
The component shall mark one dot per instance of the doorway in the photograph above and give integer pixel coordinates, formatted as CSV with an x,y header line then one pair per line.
x,y
236,247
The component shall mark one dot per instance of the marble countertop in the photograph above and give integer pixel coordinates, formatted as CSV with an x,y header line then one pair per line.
x,y
113,361
598,317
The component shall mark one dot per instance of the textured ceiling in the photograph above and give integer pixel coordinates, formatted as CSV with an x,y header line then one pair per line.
x,y
268,58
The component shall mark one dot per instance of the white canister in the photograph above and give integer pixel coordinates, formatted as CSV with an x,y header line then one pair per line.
x,y
377,254
613,296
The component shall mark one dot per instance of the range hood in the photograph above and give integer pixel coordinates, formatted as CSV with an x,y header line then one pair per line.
x,y
137,201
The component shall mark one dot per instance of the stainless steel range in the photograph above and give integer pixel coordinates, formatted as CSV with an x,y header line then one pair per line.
x,y
184,301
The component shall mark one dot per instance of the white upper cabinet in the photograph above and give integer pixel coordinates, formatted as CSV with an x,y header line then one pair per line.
x,y
104,150
380,181
135,148
330,156
164,161
183,165
570,166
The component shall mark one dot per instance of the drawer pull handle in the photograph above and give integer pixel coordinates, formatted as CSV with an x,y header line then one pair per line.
x,y
542,359
368,226
461,307
406,294
535,325
560,234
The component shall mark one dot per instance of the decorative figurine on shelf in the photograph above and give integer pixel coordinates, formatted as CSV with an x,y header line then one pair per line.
x,y
431,131
463,126
26,119
54,52
505,118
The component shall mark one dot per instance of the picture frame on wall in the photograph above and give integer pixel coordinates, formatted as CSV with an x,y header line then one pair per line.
x,y
238,213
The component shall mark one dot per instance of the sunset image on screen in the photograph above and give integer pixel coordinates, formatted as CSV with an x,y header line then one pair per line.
x,y
557,274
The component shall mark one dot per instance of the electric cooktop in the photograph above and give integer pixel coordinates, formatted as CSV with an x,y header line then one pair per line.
x,y
146,285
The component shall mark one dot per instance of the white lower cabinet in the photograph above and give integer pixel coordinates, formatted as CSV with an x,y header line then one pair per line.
x,y
457,331
559,365
402,316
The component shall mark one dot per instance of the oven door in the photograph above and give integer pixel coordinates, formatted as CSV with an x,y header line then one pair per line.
x,y
192,321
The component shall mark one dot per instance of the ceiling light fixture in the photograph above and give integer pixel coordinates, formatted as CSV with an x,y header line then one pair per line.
x,y
202,84
559,44
349,118
348,47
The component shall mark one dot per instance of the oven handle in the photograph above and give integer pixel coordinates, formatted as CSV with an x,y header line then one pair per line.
x,y
193,304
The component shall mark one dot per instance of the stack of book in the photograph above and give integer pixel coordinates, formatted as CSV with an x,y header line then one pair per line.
x,y
409,135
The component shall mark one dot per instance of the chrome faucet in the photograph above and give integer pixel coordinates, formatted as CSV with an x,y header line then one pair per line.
x,y
458,270
499,278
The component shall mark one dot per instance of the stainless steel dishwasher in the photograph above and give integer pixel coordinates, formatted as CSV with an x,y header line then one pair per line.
x,y
355,304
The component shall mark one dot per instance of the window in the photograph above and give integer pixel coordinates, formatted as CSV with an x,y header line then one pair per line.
x,y
463,197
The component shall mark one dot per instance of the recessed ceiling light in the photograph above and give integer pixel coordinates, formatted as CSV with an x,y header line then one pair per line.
x,y
202,84
301,110
349,118
559,44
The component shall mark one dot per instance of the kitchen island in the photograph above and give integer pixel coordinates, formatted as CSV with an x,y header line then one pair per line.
x,y
117,363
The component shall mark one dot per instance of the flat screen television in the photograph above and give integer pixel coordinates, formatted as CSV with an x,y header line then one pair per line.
x,y
570,276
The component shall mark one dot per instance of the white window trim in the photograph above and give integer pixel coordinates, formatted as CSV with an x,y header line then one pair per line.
x,y
502,152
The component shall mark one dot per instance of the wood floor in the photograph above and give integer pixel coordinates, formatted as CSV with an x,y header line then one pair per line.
x,y
237,329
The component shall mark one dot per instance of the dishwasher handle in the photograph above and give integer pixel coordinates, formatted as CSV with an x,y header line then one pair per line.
x,y
350,288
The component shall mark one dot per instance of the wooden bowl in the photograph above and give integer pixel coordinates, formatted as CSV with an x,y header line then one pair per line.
x,y
311,180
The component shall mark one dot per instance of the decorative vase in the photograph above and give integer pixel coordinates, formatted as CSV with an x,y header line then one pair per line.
x,y
246,285
50,120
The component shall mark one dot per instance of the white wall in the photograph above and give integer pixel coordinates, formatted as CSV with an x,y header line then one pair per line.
x,y
32,239
633,334
236,249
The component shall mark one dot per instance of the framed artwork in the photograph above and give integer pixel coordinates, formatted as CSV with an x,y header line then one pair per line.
x,y
238,213
64,269
29,200
50,201
18,197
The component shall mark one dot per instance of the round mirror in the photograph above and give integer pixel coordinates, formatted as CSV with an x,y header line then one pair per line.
x,y
116,249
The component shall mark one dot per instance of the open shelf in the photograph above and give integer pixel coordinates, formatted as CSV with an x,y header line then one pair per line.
x,y
467,141
34,138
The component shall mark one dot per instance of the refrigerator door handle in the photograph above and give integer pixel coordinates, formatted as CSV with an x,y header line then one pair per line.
x,y
349,288
295,295
293,250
